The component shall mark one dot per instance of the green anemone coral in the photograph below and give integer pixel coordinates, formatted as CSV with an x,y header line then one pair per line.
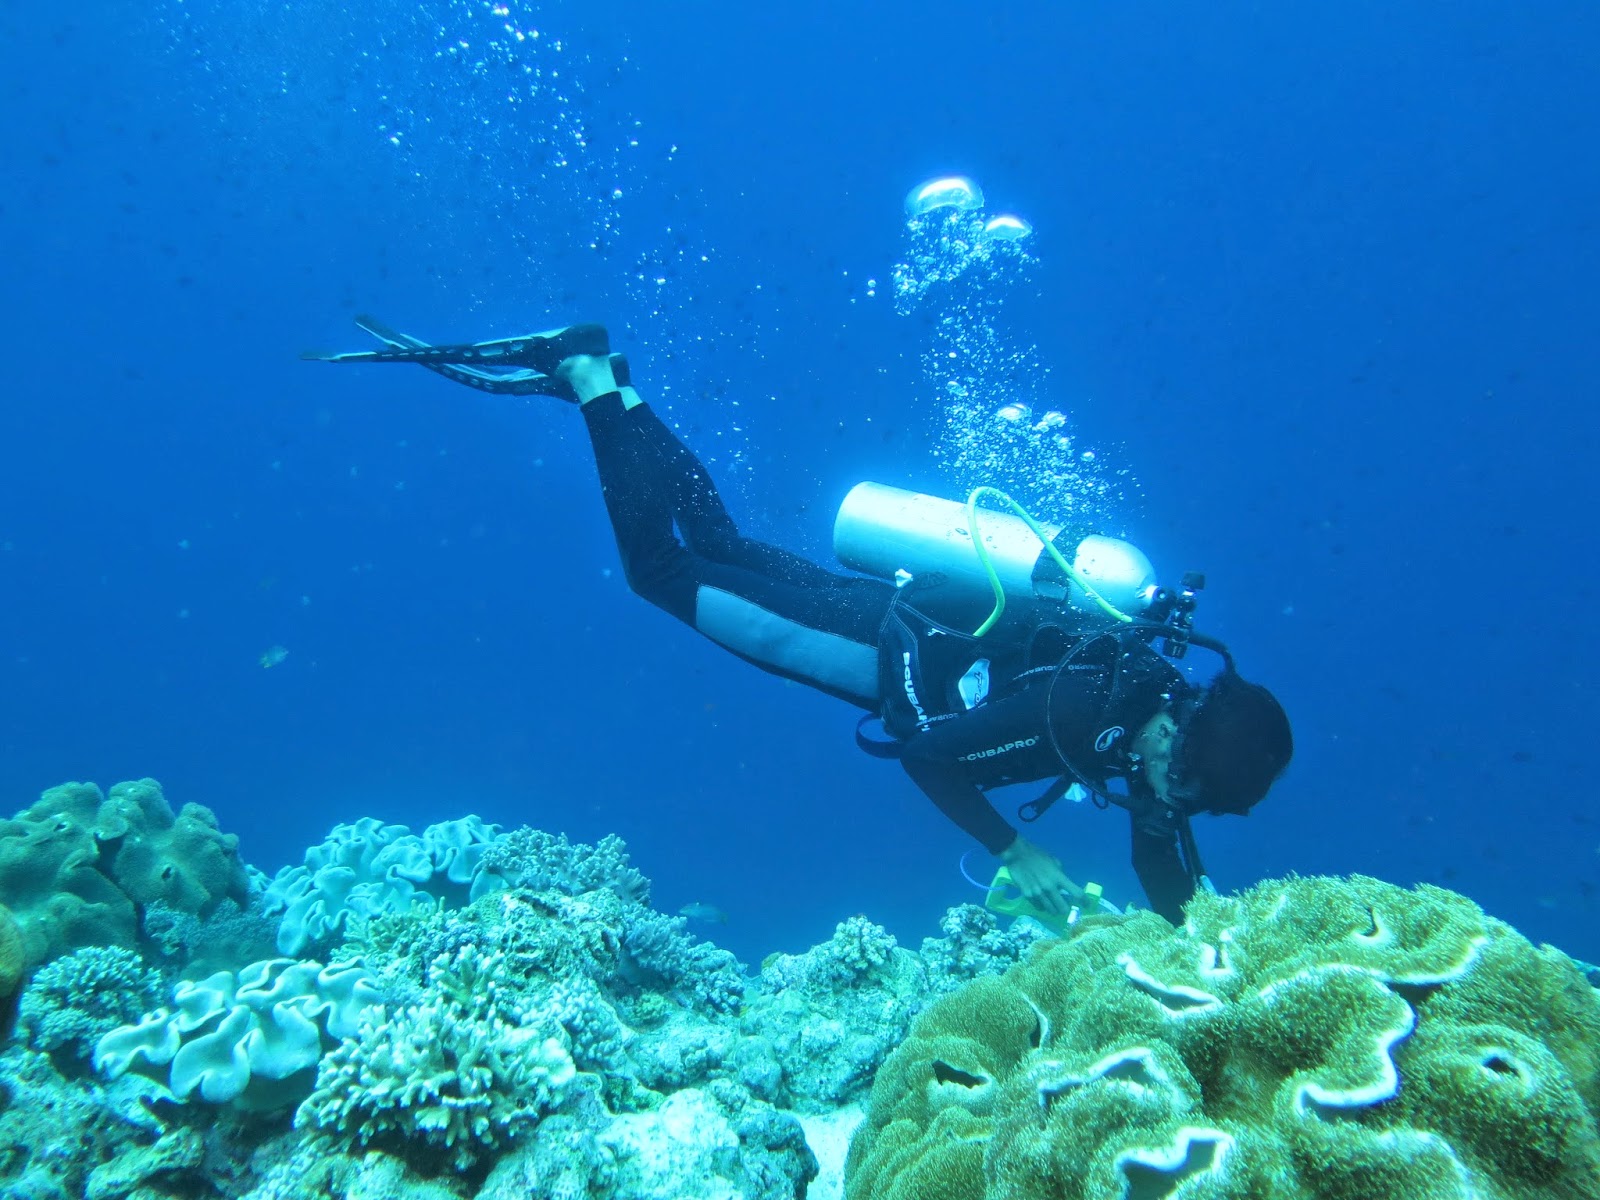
x,y
1310,1039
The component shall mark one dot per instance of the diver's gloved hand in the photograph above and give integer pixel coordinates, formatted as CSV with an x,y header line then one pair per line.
x,y
1038,875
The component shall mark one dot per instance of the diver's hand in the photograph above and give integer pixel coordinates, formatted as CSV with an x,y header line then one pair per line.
x,y
1038,876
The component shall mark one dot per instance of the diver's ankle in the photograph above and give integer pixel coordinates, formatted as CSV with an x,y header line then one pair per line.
x,y
589,374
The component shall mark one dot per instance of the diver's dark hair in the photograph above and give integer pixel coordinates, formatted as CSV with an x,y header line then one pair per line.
x,y
1232,747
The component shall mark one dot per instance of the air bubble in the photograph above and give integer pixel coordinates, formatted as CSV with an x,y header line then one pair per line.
x,y
1006,228
960,269
953,191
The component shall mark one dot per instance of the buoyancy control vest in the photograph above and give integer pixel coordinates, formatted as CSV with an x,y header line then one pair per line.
x,y
1103,682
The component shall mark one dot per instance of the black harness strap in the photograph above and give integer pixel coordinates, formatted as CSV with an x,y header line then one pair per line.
x,y
1034,809
1189,851
877,747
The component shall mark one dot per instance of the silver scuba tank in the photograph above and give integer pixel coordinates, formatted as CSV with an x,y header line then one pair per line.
x,y
899,535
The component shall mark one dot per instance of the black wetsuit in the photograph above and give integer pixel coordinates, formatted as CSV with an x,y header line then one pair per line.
x,y
1066,704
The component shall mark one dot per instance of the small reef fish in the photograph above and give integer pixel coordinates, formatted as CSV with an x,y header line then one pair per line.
x,y
273,656
704,912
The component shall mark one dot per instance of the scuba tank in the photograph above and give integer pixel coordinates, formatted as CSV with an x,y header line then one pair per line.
x,y
962,558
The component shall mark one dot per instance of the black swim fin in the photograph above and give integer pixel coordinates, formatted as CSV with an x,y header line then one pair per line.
x,y
541,352
503,356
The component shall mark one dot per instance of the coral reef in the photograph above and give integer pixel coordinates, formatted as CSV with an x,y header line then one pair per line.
x,y
195,946
659,954
55,1131
713,1143
521,1014
818,1024
13,954
974,945
177,1152
182,861
541,862
77,867
293,1167
507,1018
1259,1050
565,1029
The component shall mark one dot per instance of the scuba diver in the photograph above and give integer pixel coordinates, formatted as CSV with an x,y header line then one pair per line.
x,y
1070,678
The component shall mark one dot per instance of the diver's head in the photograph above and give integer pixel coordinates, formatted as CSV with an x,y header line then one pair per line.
x,y
1230,745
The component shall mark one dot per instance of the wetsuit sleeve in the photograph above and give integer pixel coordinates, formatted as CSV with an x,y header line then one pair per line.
x,y
1160,868
932,759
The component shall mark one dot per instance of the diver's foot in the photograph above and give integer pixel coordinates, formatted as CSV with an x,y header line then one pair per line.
x,y
592,375
608,374
545,352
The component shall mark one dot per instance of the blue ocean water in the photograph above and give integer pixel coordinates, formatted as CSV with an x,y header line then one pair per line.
x,y
1314,284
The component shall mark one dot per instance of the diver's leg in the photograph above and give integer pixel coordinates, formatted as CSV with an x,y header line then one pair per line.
x,y
704,521
697,507
803,624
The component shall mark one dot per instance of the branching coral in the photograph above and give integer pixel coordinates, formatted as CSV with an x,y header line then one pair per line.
x,y
539,861
660,953
974,945
74,1001
460,1073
